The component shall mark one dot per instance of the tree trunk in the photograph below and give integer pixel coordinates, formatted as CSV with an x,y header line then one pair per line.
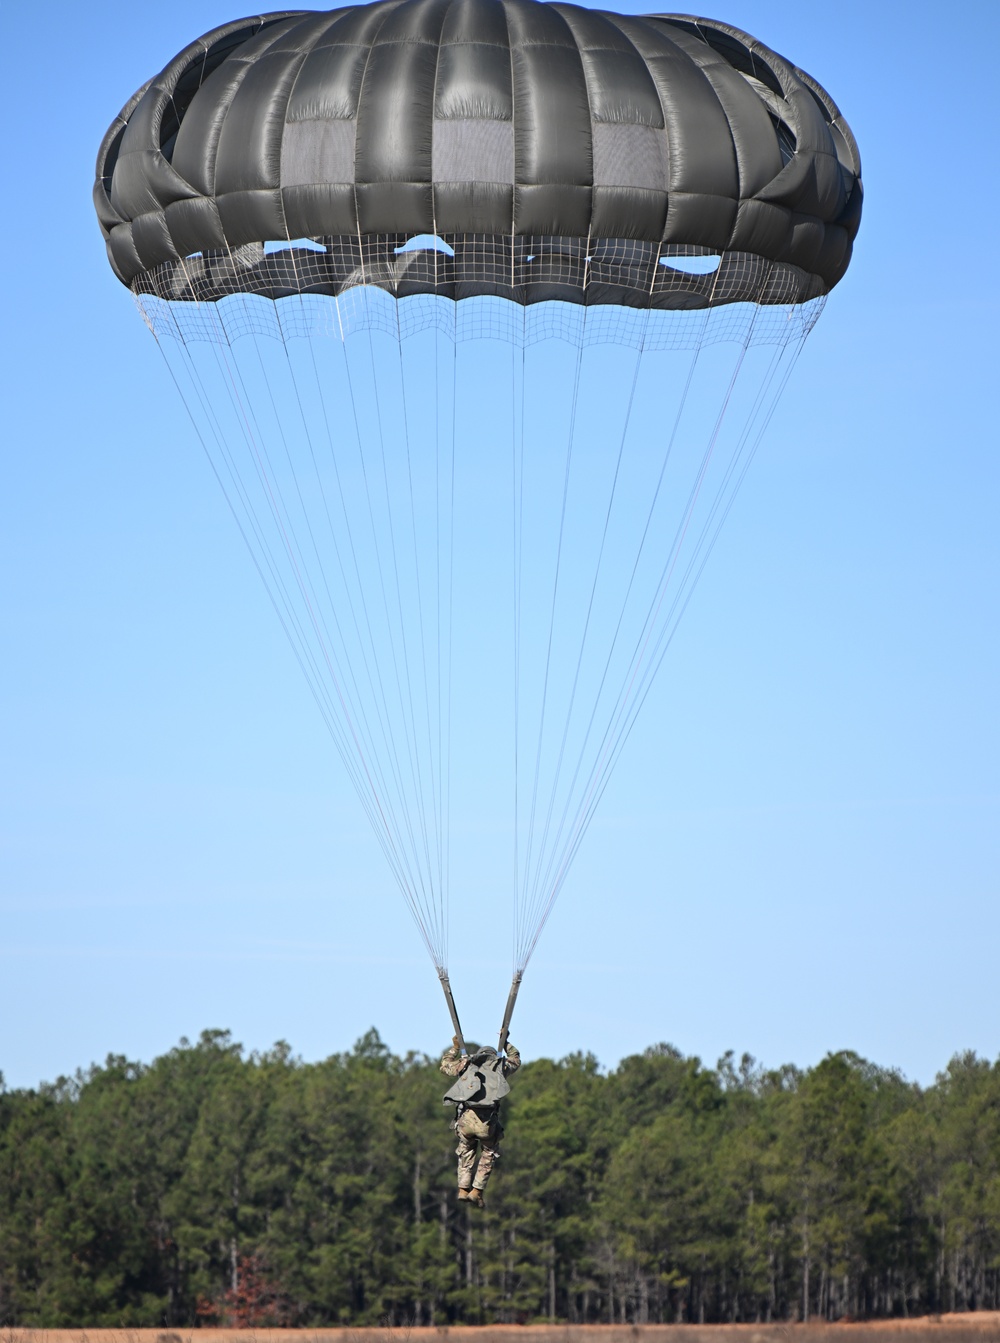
x,y
418,1309
233,1260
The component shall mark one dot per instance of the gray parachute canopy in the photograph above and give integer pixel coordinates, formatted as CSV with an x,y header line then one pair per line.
x,y
552,151
286,179
482,1083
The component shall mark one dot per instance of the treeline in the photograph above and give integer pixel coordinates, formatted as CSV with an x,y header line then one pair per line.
x,y
212,1187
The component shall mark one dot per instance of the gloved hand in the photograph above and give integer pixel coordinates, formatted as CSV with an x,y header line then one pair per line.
x,y
455,1041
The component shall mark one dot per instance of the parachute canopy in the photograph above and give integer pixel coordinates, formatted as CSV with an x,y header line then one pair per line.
x,y
559,152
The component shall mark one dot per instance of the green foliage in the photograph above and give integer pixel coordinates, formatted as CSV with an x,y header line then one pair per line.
x,y
256,1190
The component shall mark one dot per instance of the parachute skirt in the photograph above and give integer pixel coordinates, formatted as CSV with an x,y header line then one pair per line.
x,y
525,270
365,309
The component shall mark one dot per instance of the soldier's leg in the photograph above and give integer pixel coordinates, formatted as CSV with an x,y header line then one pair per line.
x,y
489,1155
466,1152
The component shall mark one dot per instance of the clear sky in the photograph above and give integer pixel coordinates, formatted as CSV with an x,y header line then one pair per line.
x,y
799,851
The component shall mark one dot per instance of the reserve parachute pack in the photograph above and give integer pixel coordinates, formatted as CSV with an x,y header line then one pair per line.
x,y
482,1082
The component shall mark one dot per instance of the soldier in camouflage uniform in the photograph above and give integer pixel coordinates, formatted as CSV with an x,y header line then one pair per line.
x,y
482,1082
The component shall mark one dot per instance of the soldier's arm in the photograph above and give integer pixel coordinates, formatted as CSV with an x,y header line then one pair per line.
x,y
452,1062
513,1060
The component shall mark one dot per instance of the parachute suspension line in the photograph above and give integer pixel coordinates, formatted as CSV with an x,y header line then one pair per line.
x,y
612,732
333,539
672,629
333,605
267,479
517,512
752,433
409,721
379,696
282,609
552,611
434,775
721,508
439,801
453,402
337,551
412,894
243,414
657,628
420,617
439,790
287,513
275,587
351,706
237,485
372,798
410,885
541,880
425,788
344,678
298,490
644,536
256,445
414,890
534,928
371,793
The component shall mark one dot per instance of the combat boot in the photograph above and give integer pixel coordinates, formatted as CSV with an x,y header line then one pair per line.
x,y
476,1196
464,1194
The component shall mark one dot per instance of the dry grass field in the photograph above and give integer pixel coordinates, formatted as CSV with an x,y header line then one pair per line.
x,y
981,1327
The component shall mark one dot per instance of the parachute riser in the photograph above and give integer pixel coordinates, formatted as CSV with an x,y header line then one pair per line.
x,y
449,999
509,1012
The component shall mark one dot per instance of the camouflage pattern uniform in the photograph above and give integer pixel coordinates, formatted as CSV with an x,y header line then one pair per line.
x,y
478,1127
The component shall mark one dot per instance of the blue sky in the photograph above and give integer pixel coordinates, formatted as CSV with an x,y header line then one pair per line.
x,y
799,851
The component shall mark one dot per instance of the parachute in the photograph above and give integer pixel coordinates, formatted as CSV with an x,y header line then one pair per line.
x,y
480,309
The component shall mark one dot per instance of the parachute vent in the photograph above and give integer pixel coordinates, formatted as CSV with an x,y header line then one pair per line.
x,y
692,265
728,43
425,242
786,139
286,245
